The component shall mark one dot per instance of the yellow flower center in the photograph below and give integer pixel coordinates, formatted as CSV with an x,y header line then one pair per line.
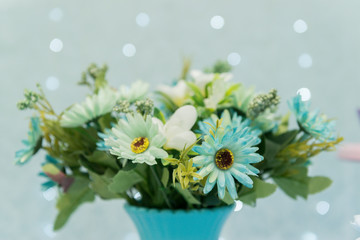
x,y
224,159
139,145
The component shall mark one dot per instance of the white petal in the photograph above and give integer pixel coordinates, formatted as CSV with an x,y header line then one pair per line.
x,y
213,176
181,141
158,153
184,117
221,179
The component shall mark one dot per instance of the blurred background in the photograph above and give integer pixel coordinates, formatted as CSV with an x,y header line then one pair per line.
x,y
279,44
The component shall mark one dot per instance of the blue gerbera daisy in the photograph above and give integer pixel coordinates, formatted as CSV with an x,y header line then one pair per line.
x,y
313,123
226,154
34,137
227,122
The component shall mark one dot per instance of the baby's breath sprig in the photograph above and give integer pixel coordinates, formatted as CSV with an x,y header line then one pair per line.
x,y
144,107
262,102
98,76
37,101
123,106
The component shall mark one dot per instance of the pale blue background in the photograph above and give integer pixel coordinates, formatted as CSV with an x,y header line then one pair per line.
x,y
260,31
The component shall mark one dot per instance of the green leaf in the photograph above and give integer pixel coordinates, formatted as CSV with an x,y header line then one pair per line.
x,y
232,88
198,96
167,101
165,177
159,115
318,184
100,183
228,199
105,121
293,187
103,159
284,138
189,198
78,193
284,124
124,180
271,150
261,189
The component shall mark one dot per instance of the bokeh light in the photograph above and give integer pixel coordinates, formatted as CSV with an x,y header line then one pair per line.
x,y
56,14
234,59
129,50
56,45
305,94
217,22
52,83
305,60
142,19
300,26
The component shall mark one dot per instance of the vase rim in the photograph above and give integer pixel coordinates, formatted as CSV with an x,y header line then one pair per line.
x,y
127,206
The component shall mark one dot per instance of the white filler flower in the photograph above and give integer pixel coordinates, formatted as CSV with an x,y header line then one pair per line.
x,y
202,79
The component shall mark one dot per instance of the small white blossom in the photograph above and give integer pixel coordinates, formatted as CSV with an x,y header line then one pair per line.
x,y
177,93
177,130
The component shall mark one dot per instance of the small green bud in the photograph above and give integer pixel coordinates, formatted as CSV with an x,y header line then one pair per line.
x,y
262,102
22,105
123,106
144,107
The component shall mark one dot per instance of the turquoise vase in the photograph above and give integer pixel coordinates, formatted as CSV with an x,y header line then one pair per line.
x,y
203,224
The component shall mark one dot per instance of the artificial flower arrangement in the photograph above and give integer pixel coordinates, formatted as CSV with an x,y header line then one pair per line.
x,y
202,142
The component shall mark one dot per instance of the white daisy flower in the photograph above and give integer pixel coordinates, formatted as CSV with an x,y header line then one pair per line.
x,y
137,139
94,106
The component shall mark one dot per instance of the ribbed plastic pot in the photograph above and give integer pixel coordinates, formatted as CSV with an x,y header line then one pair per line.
x,y
203,224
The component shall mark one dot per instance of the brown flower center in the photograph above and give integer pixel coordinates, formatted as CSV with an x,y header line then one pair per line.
x,y
139,145
224,159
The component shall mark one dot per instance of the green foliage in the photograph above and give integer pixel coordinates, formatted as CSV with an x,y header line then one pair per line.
x,y
124,180
307,148
97,74
261,189
219,67
198,97
100,185
293,187
318,184
165,177
159,115
167,101
78,193
186,194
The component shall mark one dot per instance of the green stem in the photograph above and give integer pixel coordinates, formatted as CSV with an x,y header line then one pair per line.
x,y
161,187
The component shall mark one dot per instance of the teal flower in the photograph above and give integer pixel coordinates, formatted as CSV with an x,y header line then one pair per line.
x,y
227,122
137,139
101,146
226,154
31,144
52,172
313,123
94,106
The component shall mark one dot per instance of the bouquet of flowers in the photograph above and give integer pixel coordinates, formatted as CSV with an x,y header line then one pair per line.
x,y
202,142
